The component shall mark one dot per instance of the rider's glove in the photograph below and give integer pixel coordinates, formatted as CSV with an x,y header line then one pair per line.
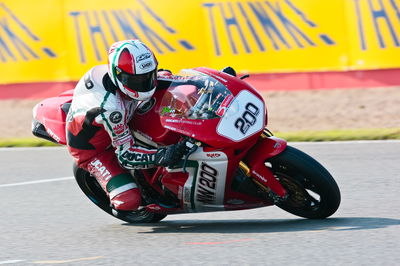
x,y
171,154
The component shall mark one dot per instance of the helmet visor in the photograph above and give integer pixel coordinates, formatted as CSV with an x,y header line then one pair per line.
x,y
139,82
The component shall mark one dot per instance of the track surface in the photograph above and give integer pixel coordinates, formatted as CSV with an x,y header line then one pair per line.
x,y
53,223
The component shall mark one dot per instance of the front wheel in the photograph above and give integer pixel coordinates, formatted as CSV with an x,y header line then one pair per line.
x,y
89,185
312,191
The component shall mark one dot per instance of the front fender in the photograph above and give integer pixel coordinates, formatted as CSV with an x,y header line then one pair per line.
x,y
266,147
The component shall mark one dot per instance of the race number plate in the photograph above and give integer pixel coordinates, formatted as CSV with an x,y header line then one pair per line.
x,y
244,117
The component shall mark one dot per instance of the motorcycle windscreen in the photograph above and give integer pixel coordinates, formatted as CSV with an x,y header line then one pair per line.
x,y
194,95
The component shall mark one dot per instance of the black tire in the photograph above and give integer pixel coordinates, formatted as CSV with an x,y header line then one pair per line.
x,y
313,193
96,194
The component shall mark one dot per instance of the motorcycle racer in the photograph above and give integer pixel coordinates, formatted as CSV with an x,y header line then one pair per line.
x,y
98,135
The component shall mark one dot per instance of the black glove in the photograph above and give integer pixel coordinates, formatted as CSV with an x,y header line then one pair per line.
x,y
171,154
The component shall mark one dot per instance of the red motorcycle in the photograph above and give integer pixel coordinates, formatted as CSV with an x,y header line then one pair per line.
x,y
235,163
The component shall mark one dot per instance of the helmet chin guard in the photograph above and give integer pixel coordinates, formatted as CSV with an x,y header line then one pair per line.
x,y
142,96
132,67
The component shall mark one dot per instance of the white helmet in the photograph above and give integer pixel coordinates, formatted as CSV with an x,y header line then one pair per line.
x,y
132,67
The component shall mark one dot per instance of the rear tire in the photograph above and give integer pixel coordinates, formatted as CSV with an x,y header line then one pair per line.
x,y
313,193
89,185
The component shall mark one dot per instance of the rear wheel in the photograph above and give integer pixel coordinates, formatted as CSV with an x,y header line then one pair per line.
x,y
312,191
89,185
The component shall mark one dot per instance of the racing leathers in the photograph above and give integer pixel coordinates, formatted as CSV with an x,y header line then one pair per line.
x,y
99,139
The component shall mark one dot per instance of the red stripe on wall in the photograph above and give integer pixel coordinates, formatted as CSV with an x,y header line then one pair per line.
x,y
277,81
326,80
37,90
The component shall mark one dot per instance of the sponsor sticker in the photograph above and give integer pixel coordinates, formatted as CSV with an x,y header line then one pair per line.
x,y
180,192
235,201
146,106
138,156
119,129
143,57
154,207
206,187
53,135
146,65
116,117
186,195
97,168
224,105
259,176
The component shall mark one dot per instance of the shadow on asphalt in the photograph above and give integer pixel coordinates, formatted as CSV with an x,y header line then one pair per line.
x,y
269,226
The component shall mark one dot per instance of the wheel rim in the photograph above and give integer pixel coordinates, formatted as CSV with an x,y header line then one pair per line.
x,y
302,194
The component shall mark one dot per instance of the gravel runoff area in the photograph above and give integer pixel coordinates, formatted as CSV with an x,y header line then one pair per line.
x,y
288,111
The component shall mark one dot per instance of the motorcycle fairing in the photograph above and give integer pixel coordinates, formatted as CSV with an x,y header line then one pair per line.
x,y
50,115
204,187
196,102
207,184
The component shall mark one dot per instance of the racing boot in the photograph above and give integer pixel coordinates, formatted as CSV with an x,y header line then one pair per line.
x,y
116,182
124,197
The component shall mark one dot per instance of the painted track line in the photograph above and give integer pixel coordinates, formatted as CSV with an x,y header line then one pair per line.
x,y
345,142
10,261
37,181
55,148
67,261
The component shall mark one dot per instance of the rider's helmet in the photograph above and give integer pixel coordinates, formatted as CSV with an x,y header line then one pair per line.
x,y
132,67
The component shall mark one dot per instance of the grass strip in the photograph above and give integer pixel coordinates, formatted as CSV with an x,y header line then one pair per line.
x,y
328,135
341,135
25,142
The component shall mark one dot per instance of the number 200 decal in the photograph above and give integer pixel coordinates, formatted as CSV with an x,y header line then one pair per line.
x,y
248,118
243,118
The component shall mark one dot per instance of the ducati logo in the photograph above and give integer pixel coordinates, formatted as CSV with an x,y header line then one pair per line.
x,y
97,168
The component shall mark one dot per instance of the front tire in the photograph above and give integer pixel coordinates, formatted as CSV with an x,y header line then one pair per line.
x,y
312,191
89,185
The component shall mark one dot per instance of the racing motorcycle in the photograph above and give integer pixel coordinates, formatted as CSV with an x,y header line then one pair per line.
x,y
234,161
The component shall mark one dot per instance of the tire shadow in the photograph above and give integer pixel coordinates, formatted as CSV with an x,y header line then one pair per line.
x,y
268,226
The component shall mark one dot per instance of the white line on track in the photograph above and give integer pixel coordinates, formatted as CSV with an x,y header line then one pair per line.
x,y
10,261
346,142
67,261
37,182
5,149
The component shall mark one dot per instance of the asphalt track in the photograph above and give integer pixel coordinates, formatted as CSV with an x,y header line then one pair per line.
x,y
46,220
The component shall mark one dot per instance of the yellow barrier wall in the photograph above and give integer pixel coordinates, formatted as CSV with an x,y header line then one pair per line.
x,y
59,40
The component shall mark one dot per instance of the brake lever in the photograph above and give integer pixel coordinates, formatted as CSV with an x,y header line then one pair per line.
x,y
193,148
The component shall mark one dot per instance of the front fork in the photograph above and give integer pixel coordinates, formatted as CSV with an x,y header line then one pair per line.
x,y
254,165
